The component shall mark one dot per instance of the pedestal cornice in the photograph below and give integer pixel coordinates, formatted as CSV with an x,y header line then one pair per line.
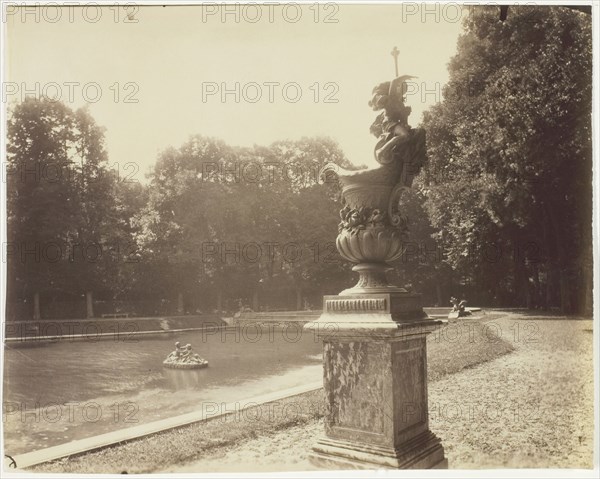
x,y
373,316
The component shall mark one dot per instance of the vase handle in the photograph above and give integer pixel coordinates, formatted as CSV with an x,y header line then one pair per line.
x,y
396,219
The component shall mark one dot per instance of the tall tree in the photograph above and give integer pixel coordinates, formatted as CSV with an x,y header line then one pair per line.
x,y
61,204
40,205
509,174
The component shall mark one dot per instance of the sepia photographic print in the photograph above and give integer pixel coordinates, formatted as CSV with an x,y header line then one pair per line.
x,y
302,239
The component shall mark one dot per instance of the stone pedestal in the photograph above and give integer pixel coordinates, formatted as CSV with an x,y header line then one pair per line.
x,y
375,381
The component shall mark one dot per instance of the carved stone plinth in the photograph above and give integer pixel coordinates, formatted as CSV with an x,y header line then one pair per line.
x,y
375,381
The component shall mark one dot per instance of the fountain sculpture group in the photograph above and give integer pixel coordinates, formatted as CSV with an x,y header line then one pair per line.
x,y
374,334
184,358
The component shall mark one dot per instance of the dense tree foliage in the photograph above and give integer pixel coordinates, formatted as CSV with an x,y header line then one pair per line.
x,y
68,214
508,184
233,224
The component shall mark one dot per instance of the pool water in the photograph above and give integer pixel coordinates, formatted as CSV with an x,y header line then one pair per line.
x,y
57,392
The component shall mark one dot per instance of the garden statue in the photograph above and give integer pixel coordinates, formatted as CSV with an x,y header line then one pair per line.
x,y
374,334
184,358
458,309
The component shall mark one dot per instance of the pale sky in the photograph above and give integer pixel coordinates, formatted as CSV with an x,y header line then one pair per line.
x,y
174,54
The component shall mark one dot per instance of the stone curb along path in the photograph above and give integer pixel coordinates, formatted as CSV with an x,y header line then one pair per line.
x,y
532,408
123,435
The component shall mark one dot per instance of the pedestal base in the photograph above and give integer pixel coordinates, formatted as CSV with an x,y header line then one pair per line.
x,y
426,453
375,381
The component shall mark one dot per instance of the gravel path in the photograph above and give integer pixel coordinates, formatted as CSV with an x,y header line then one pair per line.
x,y
530,408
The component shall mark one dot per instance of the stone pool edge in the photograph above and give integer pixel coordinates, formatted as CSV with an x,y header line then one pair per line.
x,y
120,436
96,337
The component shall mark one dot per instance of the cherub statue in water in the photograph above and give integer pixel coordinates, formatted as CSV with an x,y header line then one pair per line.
x,y
398,144
184,358
175,355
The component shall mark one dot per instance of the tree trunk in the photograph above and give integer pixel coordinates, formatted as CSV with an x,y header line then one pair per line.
x,y
548,303
255,300
565,292
552,274
299,299
520,285
438,292
180,307
219,300
588,299
538,297
36,306
561,262
89,304
586,288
